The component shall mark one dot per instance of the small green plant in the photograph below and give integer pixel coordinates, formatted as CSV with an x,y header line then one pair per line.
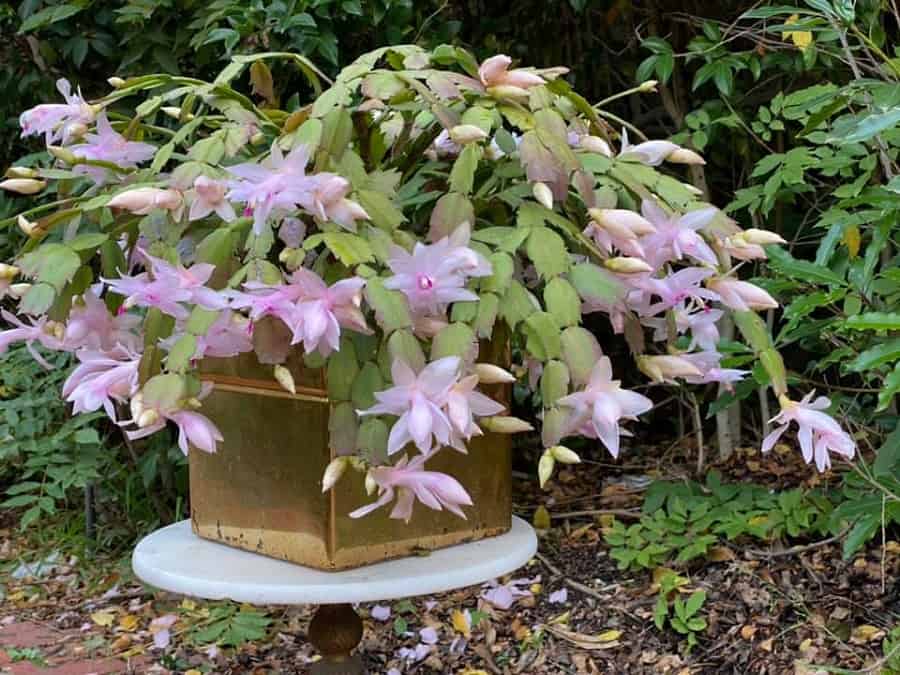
x,y
682,615
891,652
231,625
682,521
30,654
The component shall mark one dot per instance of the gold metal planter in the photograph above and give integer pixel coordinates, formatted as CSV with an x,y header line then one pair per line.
x,y
262,490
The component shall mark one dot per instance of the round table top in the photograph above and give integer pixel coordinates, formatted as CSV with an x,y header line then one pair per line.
x,y
175,559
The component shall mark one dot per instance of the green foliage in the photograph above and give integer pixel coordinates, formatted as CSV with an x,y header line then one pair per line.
x,y
682,615
230,625
682,521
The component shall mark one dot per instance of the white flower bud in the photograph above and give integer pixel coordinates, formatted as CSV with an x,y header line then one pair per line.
x,y
488,373
684,156
147,418
595,144
31,229
21,172
467,133
543,194
506,425
333,472
545,467
508,92
564,455
285,379
137,405
8,271
24,186
761,237
115,82
648,86
626,265
371,484
62,154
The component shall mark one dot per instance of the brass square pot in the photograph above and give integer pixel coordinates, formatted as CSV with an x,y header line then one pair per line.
x,y
262,490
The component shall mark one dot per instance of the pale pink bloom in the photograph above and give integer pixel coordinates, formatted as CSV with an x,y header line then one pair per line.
x,y
101,379
654,153
110,146
620,229
701,323
443,146
228,336
414,654
292,232
666,367
677,237
208,196
559,597
743,250
616,310
504,596
140,291
159,628
676,288
322,310
428,636
464,403
707,362
380,613
39,331
58,121
264,300
324,195
193,428
418,400
274,186
603,403
190,279
144,200
433,276
494,72
818,432
91,325
410,481
609,240
741,295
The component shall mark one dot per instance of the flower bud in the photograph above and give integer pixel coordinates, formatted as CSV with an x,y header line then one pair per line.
x,y
147,418
371,483
285,379
543,194
684,156
78,129
115,82
627,265
761,237
8,272
596,145
21,172
258,138
666,367
506,425
545,467
488,373
333,472
137,405
467,133
24,186
18,290
622,222
693,189
508,92
142,201
32,230
564,455
62,154
172,111
194,403
648,87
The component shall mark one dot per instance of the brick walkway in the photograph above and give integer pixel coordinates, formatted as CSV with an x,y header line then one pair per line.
x,y
56,648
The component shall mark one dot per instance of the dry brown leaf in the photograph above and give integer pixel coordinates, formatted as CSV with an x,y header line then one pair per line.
x,y
129,623
720,554
541,519
866,633
581,640
104,619
766,645
748,631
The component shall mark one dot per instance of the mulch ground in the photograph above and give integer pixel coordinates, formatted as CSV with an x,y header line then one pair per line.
x,y
775,613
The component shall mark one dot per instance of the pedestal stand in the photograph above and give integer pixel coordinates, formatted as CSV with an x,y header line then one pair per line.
x,y
175,559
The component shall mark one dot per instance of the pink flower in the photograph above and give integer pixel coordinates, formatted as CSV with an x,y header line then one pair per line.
x,y
504,596
435,275
58,121
275,186
414,654
159,628
91,325
701,324
190,279
142,201
707,362
741,295
559,597
654,153
380,613
140,291
228,336
410,481
110,146
418,400
676,237
208,196
324,195
619,229
443,146
676,288
428,636
264,300
818,432
322,310
603,403
193,428
495,72
464,403
40,331
102,378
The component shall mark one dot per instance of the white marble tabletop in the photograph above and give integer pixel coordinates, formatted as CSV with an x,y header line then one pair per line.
x,y
175,559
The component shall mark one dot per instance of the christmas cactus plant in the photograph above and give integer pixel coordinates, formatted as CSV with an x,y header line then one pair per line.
x,y
421,201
